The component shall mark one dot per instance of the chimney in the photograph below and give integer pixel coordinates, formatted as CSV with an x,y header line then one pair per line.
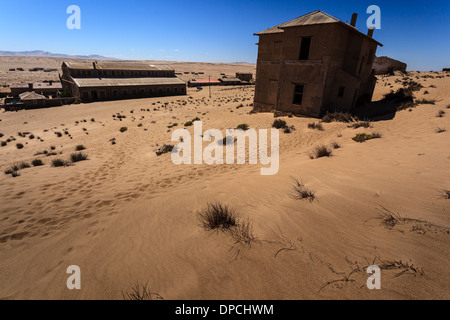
x,y
370,32
354,18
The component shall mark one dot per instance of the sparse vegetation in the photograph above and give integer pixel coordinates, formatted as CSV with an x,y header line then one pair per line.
x,y
362,137
19,146
336,145
217,216
300,192
59,163
164,149
243,127
279,124
123,129
337,117
440,130
321,151
317,126
361,124
441,114
80,147
23,165
77,157
141,293
37,162
425,101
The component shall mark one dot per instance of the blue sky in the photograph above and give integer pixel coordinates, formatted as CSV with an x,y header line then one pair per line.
x,y
416,32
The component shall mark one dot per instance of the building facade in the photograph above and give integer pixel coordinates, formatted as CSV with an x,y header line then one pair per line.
x,y
99,81
314,64
51,88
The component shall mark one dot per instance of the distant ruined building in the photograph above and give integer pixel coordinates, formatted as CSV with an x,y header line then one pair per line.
x,y
314,64
99,81
386,65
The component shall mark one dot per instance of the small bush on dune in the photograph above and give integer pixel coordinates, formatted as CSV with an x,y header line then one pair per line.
x,y
217,217
19,146
441,114
23,165
59,163
279,124
425,101
300,192
402,95
314,125
37,162
243,127
362,137
321,151
336,145
188,124
337,117
80,147
243,233
77,157
123,129
440,130
141,293
164,149
362,124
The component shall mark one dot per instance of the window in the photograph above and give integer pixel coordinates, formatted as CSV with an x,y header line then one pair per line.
x,y
341,92
305,46
298,94
125,92
115,93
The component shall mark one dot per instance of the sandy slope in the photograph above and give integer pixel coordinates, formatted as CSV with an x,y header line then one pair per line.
x,y
128,216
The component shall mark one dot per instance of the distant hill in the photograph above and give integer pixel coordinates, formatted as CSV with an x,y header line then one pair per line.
x,y
45,54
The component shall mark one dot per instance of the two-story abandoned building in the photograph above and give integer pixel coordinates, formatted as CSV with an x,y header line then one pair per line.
x,y
314,64
94,81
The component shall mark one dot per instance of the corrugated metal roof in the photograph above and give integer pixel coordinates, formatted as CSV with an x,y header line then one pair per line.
x,y
125,82
38,85
205,80
31,96
117,66
231,79
315,17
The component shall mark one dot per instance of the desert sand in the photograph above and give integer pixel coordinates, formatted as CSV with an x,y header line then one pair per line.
x,y
127,216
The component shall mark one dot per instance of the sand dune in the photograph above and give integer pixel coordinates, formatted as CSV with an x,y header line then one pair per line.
x,y
127,215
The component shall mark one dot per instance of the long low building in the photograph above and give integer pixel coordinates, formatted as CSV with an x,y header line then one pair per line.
x,y
50,88
119,80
